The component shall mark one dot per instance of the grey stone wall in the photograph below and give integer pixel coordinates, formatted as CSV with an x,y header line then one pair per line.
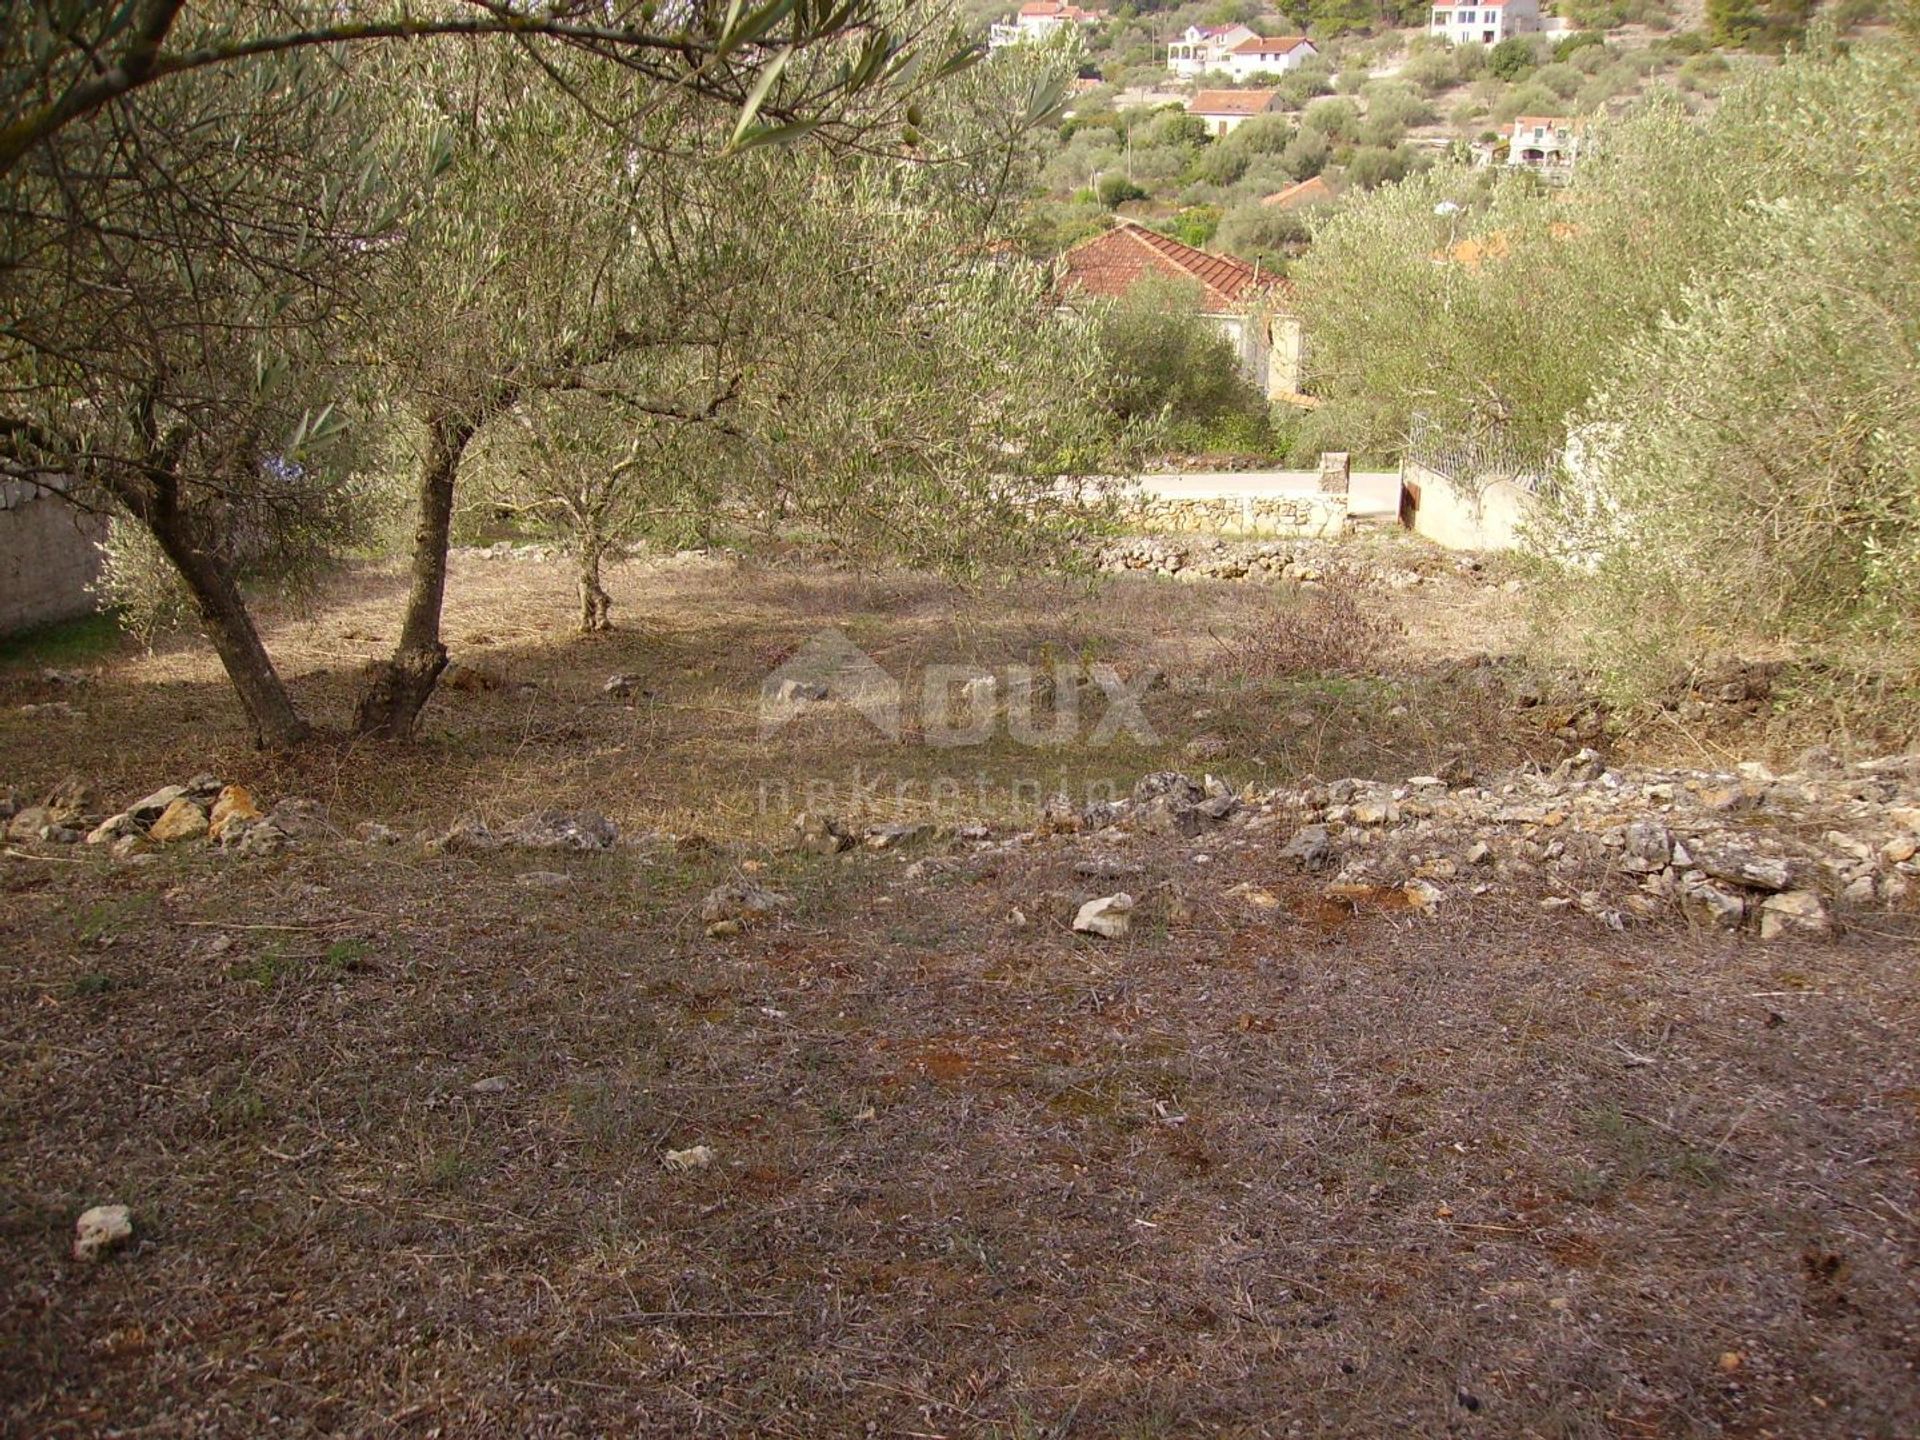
x,y
1274,516
47,558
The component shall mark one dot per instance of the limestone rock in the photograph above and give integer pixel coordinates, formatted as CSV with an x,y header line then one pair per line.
x,y
1793,911
101,1230
1311,848
821,834
1731,860
558,830
1711,905
28,823
152,807
891,837
1649,847
1107,917
112,828
235,805
181,820
301,819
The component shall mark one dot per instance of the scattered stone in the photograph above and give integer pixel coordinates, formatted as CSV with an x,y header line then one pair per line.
x,y
28,823
1311,848
800,692
1168,784
543,880
464,836
892,837
694,1157
1107,917
234,806
372,832
181,820
1793,911
621,687
1649,847
558,830
1106,868
1730,860
253,839
492,1085
301,819
112,828
1206,747
821,834
100,1231
1256,896
741,901
1711,905
150,809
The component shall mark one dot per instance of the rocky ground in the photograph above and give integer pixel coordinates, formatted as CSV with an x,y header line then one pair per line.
x,y
521,1081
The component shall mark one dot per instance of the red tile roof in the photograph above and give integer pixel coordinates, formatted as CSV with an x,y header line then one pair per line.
x,y
1271,45
1109,265
1231,102
1307,192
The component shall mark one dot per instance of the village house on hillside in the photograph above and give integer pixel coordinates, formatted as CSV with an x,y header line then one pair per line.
x,y
1251,309
1545,142
1204,47
1038,19
1269,55
1483,22
1223,110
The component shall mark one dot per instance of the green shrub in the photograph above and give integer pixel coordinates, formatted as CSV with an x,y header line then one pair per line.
x,y
1117,190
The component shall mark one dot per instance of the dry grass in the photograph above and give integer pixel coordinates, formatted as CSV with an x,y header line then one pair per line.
x,y
1246,1173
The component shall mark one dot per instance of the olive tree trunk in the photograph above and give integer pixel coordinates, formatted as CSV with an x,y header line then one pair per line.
x,y
390,706
223,612
596,605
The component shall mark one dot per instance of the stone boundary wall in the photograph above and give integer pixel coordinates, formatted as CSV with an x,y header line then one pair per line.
x,y
1306,516
48,558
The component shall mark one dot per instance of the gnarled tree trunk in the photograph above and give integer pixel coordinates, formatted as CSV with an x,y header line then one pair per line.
x,y
223,610
390,706
596,605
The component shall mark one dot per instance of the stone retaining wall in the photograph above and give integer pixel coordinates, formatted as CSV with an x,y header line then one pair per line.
x,y
1266,516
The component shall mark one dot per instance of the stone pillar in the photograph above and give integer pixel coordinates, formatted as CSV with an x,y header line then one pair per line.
x,y
1336,471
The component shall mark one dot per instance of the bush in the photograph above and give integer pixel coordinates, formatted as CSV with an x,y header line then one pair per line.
x,y
1325,633
1117,190
1562,80
1307,156
1168,360
1375,166
1264,234
1582,40
1511,58
1335,119
1194,225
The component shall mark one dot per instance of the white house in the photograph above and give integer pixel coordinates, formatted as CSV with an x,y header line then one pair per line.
x,y
1222,111
1269,55
1204,47
1038,19
1483,22
1545,142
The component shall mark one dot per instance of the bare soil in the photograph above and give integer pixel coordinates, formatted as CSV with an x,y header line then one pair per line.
x,y
1312,1170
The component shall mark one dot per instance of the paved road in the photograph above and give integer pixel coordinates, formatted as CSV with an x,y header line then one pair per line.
x,y
1372,492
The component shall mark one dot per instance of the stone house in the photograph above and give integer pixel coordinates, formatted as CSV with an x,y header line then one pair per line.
x,y
1483,22
1223,111
1251,309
